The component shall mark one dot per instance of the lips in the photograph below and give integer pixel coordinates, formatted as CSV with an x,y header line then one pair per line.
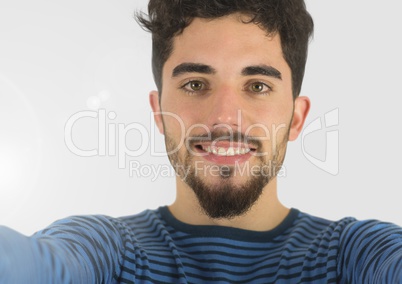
x,y
223,152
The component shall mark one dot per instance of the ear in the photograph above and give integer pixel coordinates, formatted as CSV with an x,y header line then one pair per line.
x,y
156,108
301,109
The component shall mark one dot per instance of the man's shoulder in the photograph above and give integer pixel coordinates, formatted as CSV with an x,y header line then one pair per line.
x,y
317,224
347,230
366,231
103,223
82,226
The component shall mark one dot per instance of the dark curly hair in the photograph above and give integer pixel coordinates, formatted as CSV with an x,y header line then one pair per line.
x,y
289,18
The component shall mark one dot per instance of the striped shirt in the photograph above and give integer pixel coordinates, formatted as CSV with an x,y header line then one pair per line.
x,y
154,247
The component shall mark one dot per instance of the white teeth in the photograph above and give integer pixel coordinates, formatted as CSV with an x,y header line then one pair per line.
x,y
226,152
221,152
230,152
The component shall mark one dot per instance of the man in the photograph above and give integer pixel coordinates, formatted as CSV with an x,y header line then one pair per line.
x,y
229,74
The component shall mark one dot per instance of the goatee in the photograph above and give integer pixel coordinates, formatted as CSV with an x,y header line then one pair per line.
x,y
227,198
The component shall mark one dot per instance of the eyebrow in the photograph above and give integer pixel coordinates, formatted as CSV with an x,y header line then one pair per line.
x,y
264,70
192,68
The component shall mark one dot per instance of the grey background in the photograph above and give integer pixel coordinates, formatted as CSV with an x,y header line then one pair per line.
x,y
61,57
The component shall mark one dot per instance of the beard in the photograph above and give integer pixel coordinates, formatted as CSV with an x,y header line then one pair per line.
x,y
227,198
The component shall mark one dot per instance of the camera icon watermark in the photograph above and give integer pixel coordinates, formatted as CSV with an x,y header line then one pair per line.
x,y
331,162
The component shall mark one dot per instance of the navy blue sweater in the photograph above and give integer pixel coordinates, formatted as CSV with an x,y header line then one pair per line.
x,y
154,247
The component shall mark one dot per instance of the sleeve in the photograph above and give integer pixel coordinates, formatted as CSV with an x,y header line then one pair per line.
x,y
87,249
371,252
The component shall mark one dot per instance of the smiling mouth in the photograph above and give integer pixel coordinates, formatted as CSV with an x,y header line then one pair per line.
x,y
226,151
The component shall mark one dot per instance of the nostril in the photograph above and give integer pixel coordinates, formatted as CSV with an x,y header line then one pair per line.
x,y
225,119
224,125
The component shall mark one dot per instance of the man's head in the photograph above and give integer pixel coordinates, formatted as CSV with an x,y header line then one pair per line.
x,y
287,18
228,104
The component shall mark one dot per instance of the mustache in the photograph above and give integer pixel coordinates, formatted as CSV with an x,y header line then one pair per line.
x,y
219,135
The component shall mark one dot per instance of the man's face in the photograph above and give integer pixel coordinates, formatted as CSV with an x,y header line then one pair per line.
x,y
227,109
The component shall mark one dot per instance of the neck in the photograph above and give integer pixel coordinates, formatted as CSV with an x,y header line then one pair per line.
x,y
264,215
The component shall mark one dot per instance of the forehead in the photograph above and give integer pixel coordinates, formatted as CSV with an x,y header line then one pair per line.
x,y
228,26
228,41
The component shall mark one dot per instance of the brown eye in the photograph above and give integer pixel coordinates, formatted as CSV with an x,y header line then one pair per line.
x,y
196,85
257,87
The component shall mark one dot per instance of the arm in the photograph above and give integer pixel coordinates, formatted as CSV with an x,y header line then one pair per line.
x,y
75,250
371,252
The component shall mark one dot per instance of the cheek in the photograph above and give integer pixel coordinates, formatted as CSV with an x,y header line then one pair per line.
x,y
173,123
179,114
179,121
271,122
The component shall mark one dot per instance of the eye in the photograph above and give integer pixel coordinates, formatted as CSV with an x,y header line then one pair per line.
x,y
259,88
194,86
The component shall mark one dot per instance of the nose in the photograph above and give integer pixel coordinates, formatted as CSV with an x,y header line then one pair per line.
x,y
225,108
